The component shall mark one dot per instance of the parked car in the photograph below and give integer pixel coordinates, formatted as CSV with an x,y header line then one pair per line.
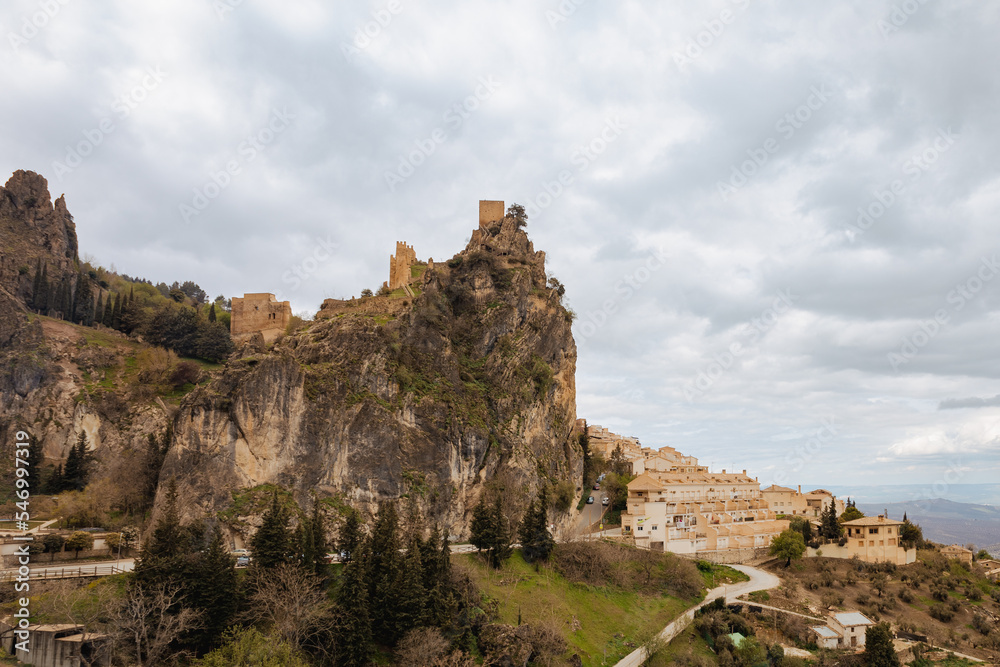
x,y
597,487
590,500
605,501
242,561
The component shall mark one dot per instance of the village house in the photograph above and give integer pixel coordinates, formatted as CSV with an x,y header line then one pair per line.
x,y
844,630
957,552
792,502
873,539
718,516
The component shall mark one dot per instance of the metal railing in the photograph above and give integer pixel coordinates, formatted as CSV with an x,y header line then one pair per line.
x,y
104,570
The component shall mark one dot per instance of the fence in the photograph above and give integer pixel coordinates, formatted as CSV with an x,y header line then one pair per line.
x,y
104,570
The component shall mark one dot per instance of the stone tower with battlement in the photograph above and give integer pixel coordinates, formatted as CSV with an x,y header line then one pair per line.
x,y
490,211
399,265
259,312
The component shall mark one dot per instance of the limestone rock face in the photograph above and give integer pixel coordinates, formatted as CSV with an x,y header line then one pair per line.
x,y
32,227
471,384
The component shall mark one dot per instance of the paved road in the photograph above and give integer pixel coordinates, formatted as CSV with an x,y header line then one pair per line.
x,y
75,570
759,580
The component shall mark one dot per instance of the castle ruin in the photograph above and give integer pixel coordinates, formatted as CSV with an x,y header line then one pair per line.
x,y
490,211
399,265
261,313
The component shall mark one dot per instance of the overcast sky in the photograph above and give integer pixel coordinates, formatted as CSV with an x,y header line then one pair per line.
x,y
776,222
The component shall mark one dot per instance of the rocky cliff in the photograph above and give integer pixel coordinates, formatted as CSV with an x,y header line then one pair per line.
x,y
33,227
471,383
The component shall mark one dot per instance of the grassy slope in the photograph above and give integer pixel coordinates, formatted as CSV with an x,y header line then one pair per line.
x,y
605,619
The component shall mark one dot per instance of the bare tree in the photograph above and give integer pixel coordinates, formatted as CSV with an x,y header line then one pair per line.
x,y
292,603
69,602
148,621
421,647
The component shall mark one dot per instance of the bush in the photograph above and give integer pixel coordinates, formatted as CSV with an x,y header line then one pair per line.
x,y
186,372
973,593
562,498
832,599
941,613
905,596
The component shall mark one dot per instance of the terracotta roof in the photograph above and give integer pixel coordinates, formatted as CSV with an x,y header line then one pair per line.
x,y
873,521
777,489
644,482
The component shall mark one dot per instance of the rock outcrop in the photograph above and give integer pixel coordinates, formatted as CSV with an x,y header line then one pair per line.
x,y
472,383
32,227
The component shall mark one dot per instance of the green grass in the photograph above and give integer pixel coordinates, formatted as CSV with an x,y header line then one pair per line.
x,y
686,644
717,575
588,617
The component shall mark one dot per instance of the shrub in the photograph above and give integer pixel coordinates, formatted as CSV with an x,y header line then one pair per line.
x,y
973,593
186,372
562,499
905,595
863,599
941,613
980,623
832,599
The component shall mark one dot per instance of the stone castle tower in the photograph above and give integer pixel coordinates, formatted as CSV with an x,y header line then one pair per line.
x,y
399,265
259,312
490,211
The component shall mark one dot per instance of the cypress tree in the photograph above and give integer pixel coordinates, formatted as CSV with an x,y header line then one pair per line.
x,y
109,312
75,471
354,627
271,543
490,532
211,313
317,527
116,313
66,302
55,482
99,310
83,302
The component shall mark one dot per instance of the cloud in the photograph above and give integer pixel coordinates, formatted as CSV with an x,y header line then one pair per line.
x,y
887,98
973,402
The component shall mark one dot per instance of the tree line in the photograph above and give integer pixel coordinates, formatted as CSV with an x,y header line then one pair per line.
x,y
167,320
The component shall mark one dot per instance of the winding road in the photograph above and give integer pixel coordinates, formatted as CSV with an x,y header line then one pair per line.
x,y
759,580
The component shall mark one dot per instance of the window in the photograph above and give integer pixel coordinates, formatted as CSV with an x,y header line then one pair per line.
x,y
639,528
871,543
873,531
654,527
861,543
892,541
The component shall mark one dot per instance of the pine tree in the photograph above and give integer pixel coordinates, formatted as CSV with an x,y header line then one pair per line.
x,y
354,627
490,532
407,612
879,651
213,591
317,528
383,568
161,558
536,540
55,482
77,463
211,313
350,536
271,543
36,458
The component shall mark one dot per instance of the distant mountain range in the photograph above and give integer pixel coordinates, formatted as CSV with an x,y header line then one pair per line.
x,y
979,494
